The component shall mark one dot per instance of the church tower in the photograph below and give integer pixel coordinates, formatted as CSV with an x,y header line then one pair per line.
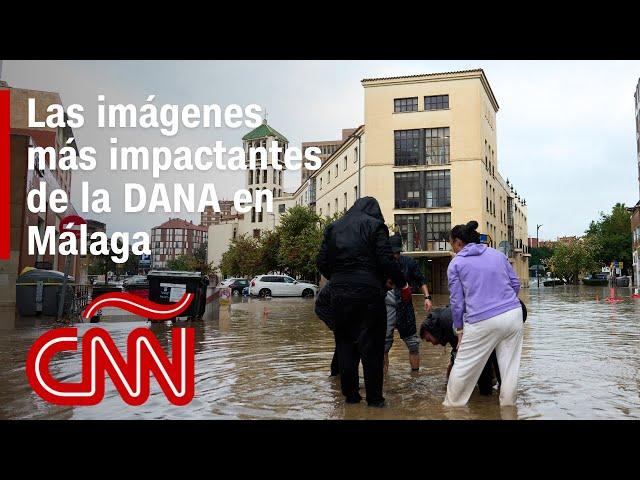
x,y
270,178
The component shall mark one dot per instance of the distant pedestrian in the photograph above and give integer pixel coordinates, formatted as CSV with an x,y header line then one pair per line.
x,y
484,301
356,257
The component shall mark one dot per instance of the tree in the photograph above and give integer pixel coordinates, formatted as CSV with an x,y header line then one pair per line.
x,y
538,254
571,261
193,262
300,232
242,259
611,236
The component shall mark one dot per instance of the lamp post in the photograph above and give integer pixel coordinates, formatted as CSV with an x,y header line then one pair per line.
x,y
538,246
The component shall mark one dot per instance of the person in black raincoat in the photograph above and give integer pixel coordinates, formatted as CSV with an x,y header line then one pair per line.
x,y
324,313
356,257
401,315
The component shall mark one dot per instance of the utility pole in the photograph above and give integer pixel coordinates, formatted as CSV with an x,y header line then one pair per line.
x,y
538,246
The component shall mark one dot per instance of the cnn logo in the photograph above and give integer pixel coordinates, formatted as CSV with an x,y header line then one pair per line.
x,y
100,356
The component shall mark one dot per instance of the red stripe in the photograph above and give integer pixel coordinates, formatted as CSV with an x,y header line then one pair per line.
x,y
139,307
5,176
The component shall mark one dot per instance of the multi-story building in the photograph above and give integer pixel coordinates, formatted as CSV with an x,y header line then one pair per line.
x,y
327,148
210,217
427,152
23,179
174,238
431,161
635,211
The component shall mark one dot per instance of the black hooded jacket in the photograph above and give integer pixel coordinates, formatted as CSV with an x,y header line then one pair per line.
x,y
356,248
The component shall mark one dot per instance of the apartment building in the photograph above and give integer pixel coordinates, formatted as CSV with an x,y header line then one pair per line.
x,y
428,153
635,210
327,148
174,238
210,217
21,139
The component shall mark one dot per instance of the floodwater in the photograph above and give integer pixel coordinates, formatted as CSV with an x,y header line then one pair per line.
x,y
269,359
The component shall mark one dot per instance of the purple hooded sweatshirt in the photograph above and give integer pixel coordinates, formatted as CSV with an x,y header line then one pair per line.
x,y
482,284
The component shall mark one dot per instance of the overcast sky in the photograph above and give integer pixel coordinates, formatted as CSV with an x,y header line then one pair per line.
x,y
566,130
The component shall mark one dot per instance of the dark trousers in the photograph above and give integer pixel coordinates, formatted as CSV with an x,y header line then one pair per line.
x,y
485,382
360,329
335,364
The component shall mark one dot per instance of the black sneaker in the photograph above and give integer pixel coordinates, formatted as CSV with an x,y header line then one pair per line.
x,y
379,404
357,399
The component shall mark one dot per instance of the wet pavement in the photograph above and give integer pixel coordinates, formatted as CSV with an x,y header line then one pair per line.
x,y
269,359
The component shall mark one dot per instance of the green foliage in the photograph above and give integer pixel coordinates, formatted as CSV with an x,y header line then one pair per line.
x,y
538,254
291,248
572,261
611,236
195,262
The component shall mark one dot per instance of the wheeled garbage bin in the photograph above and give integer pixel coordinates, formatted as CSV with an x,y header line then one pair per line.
x,y
166,287
38,291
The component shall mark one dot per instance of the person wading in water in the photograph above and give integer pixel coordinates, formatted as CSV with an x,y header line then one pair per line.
x,y
401,315
356,257
484,300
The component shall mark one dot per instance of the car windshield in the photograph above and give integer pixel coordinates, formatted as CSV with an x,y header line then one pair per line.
x,y
289,280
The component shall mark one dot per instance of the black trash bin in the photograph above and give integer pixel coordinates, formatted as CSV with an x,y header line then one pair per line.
x,y
166,287
38,291
622,282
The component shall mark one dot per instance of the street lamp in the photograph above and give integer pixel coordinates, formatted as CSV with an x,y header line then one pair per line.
x,y
538,246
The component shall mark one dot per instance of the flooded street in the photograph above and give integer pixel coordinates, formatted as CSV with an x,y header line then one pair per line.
x,y
269,359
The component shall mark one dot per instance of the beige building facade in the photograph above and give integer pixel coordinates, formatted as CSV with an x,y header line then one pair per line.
x,y
428,153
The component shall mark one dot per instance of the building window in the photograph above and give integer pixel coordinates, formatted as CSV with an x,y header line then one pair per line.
x,y
405,104
260,216
256,233
281,208
436,102
336,170
407,188
407,147
345,162
345,201
336,202
438,230
355,155
264,177
437,143
250,177
320,184
430,146
355,193
411,232
437,188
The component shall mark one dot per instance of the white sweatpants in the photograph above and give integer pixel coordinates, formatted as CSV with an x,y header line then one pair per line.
x,y
502,333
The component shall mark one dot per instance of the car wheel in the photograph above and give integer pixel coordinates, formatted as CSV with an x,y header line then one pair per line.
x,y
307,293
265,292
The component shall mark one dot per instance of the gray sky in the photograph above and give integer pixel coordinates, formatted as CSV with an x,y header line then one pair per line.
x,y
566,134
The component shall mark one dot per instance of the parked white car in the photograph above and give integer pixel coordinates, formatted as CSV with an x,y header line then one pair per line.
x,y
281,286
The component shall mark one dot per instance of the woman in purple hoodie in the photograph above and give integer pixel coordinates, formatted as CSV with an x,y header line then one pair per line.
x,y
484,300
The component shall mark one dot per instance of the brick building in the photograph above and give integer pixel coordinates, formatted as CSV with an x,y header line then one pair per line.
x,y
173,238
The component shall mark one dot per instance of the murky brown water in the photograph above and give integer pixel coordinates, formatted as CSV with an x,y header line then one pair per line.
x,y
581,359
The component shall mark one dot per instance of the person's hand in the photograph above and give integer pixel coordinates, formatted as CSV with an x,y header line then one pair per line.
x,y
459,334
449,367
427,305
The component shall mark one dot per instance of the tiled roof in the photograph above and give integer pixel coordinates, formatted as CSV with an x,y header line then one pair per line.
x,y
181,223
476,70
264,131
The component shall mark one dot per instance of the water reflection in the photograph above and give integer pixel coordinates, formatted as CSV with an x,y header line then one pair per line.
x,y
270,359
